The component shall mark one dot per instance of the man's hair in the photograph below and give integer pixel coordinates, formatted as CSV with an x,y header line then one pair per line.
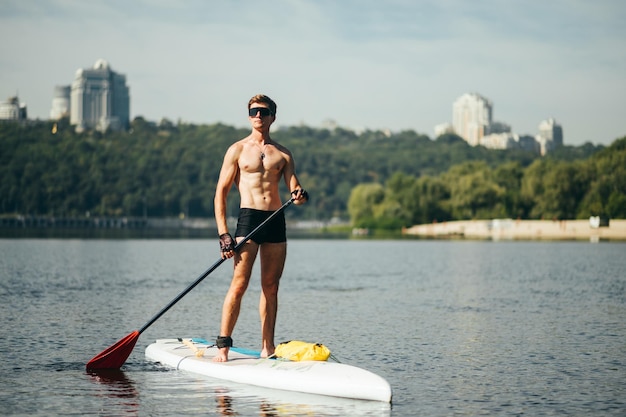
x,y
261,98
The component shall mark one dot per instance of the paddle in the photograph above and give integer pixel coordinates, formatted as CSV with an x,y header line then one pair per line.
x,y
115,356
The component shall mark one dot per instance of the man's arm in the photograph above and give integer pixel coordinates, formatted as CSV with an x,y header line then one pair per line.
x,y
293,183
228,174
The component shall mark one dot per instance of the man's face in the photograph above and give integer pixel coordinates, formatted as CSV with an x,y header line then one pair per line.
x,y
260,115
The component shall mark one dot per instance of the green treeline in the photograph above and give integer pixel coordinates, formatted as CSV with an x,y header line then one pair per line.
x,y
378,179
547,189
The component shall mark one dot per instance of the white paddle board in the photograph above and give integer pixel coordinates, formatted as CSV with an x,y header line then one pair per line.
x,y
246,367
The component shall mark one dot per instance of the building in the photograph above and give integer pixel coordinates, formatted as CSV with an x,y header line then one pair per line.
x,y
99,99
499,127
506,140
472,120
60,102
471,117
550,135
443,129
12,109
528,143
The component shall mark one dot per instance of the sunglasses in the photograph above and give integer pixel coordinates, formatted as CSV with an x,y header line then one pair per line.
x,y
263,111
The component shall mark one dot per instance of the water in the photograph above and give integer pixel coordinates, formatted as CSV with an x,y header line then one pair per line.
x,y
458,328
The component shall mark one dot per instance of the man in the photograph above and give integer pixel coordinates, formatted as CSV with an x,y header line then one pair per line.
x,y
255,165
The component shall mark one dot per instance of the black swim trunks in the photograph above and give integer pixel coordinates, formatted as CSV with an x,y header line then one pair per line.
x,y
273,232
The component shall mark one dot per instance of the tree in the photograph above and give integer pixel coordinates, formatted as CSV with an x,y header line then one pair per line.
x,y
473,192
362,202
607,189
433,201
509,177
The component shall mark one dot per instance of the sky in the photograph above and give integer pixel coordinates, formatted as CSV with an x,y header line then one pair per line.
x,y
364,64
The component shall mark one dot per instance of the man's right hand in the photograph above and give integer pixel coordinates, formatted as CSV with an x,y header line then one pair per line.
x,y
227,245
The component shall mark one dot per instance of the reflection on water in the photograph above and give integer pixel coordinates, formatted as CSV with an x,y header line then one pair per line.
x,y
116,381
114,384
155,389
237,399
224,403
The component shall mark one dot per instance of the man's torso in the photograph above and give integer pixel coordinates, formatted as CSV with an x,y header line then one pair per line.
x,y
260,172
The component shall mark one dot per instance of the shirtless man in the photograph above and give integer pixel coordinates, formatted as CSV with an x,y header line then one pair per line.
x,y
255,165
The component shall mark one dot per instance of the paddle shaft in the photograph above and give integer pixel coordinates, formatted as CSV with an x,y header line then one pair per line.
x,y
214,267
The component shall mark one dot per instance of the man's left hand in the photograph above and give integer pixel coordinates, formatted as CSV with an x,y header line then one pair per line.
x,y
300,196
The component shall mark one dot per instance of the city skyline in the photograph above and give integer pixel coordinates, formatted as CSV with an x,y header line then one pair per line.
x,y
472,120
364,65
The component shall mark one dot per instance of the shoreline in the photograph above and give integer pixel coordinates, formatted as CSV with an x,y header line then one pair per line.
x,y
509,229
495,229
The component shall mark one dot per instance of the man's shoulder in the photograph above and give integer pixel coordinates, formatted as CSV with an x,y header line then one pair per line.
x,y
238,145
241,141
281,148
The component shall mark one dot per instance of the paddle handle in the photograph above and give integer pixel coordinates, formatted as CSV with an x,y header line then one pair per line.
x,y
214,266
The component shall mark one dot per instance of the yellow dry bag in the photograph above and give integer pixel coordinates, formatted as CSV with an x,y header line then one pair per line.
x,y
296,350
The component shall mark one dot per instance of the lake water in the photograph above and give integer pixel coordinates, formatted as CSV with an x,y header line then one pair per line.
x,y
458,328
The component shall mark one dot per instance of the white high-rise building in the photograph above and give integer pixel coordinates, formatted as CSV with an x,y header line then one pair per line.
x,y
100,99
60,102
550,135
12,109
471,117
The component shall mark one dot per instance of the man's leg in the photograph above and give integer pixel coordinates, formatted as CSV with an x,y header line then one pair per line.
x,y
243,262
273,257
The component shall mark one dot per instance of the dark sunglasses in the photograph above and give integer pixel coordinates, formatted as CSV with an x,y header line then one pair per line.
x,y
263,111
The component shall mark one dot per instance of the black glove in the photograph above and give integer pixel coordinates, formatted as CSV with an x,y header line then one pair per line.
x,y
226,242
302,192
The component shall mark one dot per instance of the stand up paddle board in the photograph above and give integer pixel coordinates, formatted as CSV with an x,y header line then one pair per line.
x,y
247,367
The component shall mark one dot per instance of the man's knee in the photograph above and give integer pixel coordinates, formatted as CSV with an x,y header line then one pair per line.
x,y
238,288
270,288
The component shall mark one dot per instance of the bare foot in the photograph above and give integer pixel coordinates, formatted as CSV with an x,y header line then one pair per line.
x,y
222,355
266,353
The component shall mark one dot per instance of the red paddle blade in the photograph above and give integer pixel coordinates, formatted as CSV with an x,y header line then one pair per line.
x,y
115,356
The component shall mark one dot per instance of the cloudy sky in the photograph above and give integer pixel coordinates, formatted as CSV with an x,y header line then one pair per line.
x,y
365,64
